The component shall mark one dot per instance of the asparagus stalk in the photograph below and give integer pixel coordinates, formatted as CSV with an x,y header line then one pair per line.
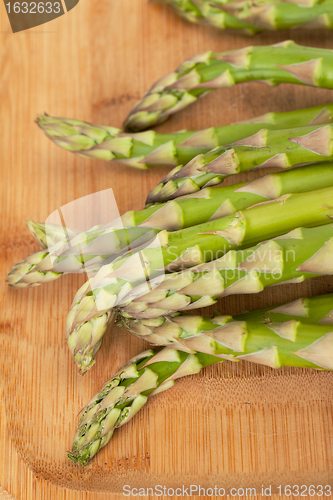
x,y
47,234
189,247
146,149
209,204
172,330
285,62
291,343
267,148
252,17
299,255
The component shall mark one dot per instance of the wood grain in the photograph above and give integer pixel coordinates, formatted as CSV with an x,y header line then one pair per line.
x,y
231,425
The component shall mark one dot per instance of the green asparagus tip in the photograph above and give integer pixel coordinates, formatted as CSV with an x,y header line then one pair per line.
x,y
84,364
79,457
42,119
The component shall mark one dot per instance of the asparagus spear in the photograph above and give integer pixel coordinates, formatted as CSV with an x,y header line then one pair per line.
x,y
292,258
285,62
267,148
150,148
87,252
188,248
291,343
251,17
174,330
209,204
126,392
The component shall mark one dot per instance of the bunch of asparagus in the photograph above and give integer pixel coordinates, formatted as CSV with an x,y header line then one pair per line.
x,y
88,251
148,300
253,16
197,241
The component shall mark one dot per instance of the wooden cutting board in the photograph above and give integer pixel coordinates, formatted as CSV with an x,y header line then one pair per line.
x,y
230,426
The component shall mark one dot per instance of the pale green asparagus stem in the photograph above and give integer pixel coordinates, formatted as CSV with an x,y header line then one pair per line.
x,y
147,149
282,63
251,17
267,148
291,343
208,204
189,247
292,258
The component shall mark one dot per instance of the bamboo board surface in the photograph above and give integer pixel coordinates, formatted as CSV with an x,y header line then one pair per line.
x,y
231,425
